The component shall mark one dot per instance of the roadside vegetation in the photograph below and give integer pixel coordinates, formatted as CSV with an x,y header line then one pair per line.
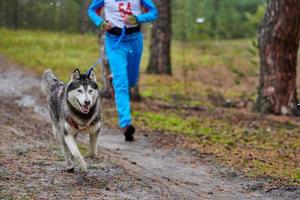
x,y
209,99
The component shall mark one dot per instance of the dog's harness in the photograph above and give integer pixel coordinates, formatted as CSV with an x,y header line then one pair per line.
x,y
72,123
77,126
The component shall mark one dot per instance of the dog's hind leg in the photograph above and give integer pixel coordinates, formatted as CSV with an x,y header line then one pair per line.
x,y
71,143
94,143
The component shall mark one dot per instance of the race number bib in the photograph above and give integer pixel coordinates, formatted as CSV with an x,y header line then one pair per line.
x,y
125,9
117,10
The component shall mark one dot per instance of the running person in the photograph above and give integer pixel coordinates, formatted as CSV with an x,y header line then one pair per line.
x,y
124,60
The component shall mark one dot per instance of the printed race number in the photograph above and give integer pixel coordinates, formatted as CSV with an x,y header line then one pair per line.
x,y
125,12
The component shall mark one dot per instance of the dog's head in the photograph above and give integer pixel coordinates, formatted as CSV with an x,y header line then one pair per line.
x,y
82,92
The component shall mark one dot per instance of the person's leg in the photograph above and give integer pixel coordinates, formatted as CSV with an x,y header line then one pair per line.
x,y
117,59
134,59
134,50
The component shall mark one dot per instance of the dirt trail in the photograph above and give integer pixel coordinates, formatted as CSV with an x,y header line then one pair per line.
x,y
31,165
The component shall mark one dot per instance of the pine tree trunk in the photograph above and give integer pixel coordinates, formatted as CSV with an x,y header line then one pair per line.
x,y
135,94
160,60
214,21
278,43
107,87
84,17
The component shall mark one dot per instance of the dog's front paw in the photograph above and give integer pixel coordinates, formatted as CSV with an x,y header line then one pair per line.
x,y
83,166
93,155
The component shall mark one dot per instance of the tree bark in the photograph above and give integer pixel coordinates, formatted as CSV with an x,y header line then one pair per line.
x,y
214,21
84,17
160,59
135,94
107,87
279,37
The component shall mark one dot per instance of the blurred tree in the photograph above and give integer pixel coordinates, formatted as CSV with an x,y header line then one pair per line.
x,y
214,20
83,15
160,58
278,43
15,13
224,19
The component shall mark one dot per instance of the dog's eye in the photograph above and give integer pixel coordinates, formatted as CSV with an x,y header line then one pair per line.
x,y
80,91
90,91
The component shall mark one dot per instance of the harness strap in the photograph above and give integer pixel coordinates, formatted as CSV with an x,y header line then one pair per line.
x,y
71,122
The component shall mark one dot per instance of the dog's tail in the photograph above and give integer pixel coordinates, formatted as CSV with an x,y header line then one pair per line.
x,y
49,81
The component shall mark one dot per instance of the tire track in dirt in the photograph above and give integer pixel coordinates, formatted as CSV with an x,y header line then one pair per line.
x,y
31,165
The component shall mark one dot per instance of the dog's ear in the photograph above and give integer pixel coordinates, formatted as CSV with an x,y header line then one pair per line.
x,y
92,75
75,75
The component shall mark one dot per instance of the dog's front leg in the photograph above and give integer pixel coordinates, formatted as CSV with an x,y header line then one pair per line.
x,y
71,143
94,143
67,154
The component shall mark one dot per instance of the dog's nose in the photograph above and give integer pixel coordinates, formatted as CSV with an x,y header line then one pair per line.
x,y
87,102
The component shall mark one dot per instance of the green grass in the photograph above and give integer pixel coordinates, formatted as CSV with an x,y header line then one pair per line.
x,y
209,72
58,51
257,151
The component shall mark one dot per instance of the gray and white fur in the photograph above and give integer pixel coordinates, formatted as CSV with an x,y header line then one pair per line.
x,y
74,108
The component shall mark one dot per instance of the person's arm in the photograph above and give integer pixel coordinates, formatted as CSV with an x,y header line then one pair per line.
x,y
92,12
150,15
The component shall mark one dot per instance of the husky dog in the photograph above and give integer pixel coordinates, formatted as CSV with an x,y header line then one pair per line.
x,y
74,108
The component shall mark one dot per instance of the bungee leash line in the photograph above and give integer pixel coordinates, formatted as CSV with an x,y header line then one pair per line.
x,y
106,55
